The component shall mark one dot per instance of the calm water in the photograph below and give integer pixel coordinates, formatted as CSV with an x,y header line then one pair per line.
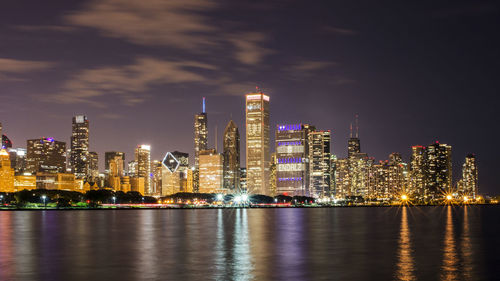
x,y
425,243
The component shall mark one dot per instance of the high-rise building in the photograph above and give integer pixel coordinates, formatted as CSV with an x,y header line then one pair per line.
x,y
469,182
6,172
6,142
292,169
156,180
114,163
231,155
342,178
438,170
417,172
257,143
93,171
319,163
175,169
132,168
200,142
211,178
398,175
18,159
79,157
143,159
45,155
273,174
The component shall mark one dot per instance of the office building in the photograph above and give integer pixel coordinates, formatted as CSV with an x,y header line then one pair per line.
x,y
175,169
45,155
79,157
231,157
319,163
438,173
143,159
6,172
93,170
200,142
257,143
469,181
211,178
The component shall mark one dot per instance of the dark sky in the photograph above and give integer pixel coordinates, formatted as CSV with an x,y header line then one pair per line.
x,y
414,71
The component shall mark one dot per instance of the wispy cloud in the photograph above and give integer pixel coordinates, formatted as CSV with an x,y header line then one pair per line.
x,y
304,69
249,47
11,69
57,28
339,30
128,83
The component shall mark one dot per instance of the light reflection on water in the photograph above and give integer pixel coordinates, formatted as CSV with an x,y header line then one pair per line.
x,y
251,244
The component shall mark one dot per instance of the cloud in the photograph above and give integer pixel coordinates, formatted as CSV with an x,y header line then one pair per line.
x,y
177,23
10,69
249,48
58,28
339,30
128,83
310,65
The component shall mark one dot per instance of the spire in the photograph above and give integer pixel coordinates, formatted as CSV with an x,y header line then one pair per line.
x,y
215,138
357,127
350,128
203,104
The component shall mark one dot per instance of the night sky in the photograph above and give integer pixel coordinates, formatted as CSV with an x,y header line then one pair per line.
x,y
414,71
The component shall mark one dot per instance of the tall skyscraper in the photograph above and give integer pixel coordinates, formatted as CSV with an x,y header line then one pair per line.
x,y
93,170
292,169
354,144
200,142
231,157
257,143
438,170
6,172
143,159
417,171
79,157
469,182
46,155
319,163
114,163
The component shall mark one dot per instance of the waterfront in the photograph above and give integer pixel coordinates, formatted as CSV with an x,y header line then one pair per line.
x,y
394,243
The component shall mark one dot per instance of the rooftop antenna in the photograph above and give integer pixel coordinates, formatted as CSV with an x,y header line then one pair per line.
x,y
350,128
357,127
215,138
203,104
258,90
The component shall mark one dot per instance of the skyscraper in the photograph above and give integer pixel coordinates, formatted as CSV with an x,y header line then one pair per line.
x,y
143,159
231,157
354,144
45,155
319,163
200,142
438,170
257,143
417,171
292,173
114,163
175,166
6,172
469,182
93,170
211,178
79,157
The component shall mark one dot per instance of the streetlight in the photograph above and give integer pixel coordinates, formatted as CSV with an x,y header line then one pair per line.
x,y
44,202
114,200
449,197
275,200
1,199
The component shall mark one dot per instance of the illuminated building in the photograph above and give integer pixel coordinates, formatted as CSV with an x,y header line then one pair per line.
x,y
125,184
211,178
93,170
292,169
469,181
273,174
59,181
200,142
342,178
45,155
398,175
22,182
379,182
175,169
438,173
114,163
137,184
6,143
417,172
18,159
359,174
319,163
143,159
257,143
132,168
231,155
79,157
156,179
6,173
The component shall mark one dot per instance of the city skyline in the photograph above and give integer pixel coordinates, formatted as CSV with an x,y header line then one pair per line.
x,y
411,84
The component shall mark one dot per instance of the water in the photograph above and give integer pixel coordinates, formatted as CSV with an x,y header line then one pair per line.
x,y
425,243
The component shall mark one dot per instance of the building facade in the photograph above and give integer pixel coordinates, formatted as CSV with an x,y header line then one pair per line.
x,y
469,182
200,142
79,157
211,172
143,159
231,155
175,169
45,155
257,143
320,169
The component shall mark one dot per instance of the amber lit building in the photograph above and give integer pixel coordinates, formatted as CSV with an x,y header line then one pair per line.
x,y
6,173
438,170
319,163
469,182
175,170
211,178
143,159
257,143
200,142
231,157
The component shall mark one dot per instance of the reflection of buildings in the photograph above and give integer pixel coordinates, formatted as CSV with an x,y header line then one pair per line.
x,y
211,172
175,170
45,155
405,265
257,143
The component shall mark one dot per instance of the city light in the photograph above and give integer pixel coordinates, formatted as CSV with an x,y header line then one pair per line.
x,y
404,197
449,197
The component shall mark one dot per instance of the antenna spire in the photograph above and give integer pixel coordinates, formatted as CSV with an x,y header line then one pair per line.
x,y
203,104
350,128
215,138
357,127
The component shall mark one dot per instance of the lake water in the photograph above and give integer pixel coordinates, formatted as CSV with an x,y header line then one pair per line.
x,y
394,243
